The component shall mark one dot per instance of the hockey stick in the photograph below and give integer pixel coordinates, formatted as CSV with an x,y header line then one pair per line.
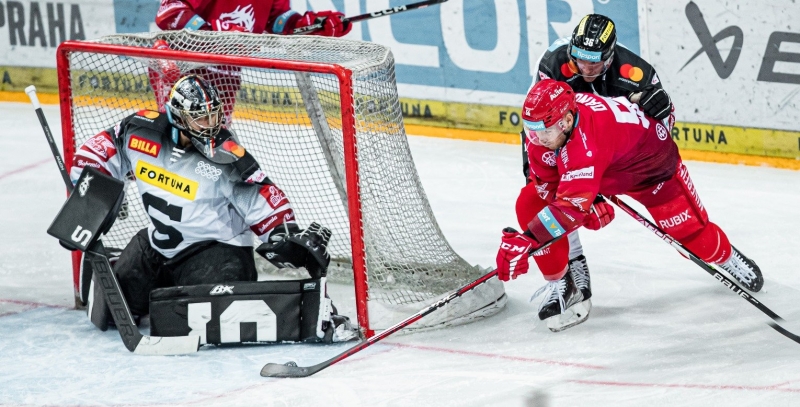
x,y
291,369
62,168
367,16
120,312
730,284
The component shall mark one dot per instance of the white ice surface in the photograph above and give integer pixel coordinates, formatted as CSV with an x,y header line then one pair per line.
x,y
662,331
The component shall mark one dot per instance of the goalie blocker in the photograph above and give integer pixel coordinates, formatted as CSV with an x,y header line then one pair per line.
x,y
249,312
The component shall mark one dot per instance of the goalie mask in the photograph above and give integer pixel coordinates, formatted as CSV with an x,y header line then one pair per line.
x,y
195,108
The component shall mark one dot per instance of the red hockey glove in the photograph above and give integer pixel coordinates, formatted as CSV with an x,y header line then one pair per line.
x,y
601,215
512,258
332,24
219,25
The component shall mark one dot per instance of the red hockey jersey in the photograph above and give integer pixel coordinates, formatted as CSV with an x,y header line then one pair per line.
x,y
268,16
613,149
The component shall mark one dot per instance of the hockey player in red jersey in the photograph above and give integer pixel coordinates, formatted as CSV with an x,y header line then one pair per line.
x,y
581,145
591,61
271,17
267,17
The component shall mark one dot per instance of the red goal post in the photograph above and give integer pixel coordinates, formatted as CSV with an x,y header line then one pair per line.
x,y
337,108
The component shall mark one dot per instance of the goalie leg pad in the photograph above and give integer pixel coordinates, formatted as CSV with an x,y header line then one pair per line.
x,y
242,312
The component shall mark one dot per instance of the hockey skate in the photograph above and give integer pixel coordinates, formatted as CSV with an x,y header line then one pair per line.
x,y
744,270
580,275
563,305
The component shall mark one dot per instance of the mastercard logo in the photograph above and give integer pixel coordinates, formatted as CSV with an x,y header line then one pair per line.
x,y
569,69
234,148
148,114
631,72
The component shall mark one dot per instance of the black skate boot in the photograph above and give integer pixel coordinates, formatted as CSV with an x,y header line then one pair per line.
x,y
744,270
580,275
563,306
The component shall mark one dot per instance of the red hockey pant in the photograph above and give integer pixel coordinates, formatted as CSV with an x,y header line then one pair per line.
x,y
673,204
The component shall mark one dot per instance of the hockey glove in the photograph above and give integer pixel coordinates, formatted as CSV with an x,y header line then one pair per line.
x,y
654,102
332,24
512,258
293,248
602,214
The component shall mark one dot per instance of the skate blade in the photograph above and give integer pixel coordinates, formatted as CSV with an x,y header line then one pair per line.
x,y
572,316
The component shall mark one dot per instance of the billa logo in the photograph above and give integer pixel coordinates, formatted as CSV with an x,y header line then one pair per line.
x,y
144,146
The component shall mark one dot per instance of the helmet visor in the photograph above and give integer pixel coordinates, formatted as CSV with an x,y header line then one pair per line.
x,y
540,135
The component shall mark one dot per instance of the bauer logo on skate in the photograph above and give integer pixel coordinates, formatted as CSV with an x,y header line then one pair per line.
x,y
583,173
161,178
144,146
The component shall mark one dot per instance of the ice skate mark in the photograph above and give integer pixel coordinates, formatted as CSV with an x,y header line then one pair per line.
x,y
496,356
775,387
25,168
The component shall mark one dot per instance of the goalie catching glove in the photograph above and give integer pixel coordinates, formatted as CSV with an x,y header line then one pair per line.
x,y
294,248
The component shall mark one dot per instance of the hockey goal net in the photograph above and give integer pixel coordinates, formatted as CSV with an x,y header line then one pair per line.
x,y
323,119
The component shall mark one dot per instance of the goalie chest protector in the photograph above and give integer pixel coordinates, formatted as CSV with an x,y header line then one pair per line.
x,y
238,312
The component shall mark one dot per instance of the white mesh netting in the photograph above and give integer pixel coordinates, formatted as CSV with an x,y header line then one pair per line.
x,y
291,121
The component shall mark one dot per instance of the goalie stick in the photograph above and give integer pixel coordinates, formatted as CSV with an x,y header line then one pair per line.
x,y
128,331
367,16
730,284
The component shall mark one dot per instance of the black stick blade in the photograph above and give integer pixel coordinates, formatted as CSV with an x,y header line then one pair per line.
x,y
289,369
784,332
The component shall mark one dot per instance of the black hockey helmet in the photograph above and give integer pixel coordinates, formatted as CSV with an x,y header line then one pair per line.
x,y
594,39
194,107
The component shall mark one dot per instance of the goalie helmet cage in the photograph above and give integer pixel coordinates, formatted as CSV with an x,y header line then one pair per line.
x,y
323,118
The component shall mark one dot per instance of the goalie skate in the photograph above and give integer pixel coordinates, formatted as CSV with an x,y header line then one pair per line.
x,y
563,306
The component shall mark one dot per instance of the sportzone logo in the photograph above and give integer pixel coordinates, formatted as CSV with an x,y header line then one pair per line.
x,y
207,170
144,146
161,178
221,289
583,173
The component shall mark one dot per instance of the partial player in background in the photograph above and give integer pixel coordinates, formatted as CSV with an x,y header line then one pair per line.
x,y
590,61
270,17
206,197
604,146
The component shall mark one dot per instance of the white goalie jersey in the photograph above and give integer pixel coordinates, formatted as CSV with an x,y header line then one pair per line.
x,y
188,198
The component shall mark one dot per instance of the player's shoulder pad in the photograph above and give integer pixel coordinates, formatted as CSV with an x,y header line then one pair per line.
x,y
555,61
632,72
149,119
242,161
